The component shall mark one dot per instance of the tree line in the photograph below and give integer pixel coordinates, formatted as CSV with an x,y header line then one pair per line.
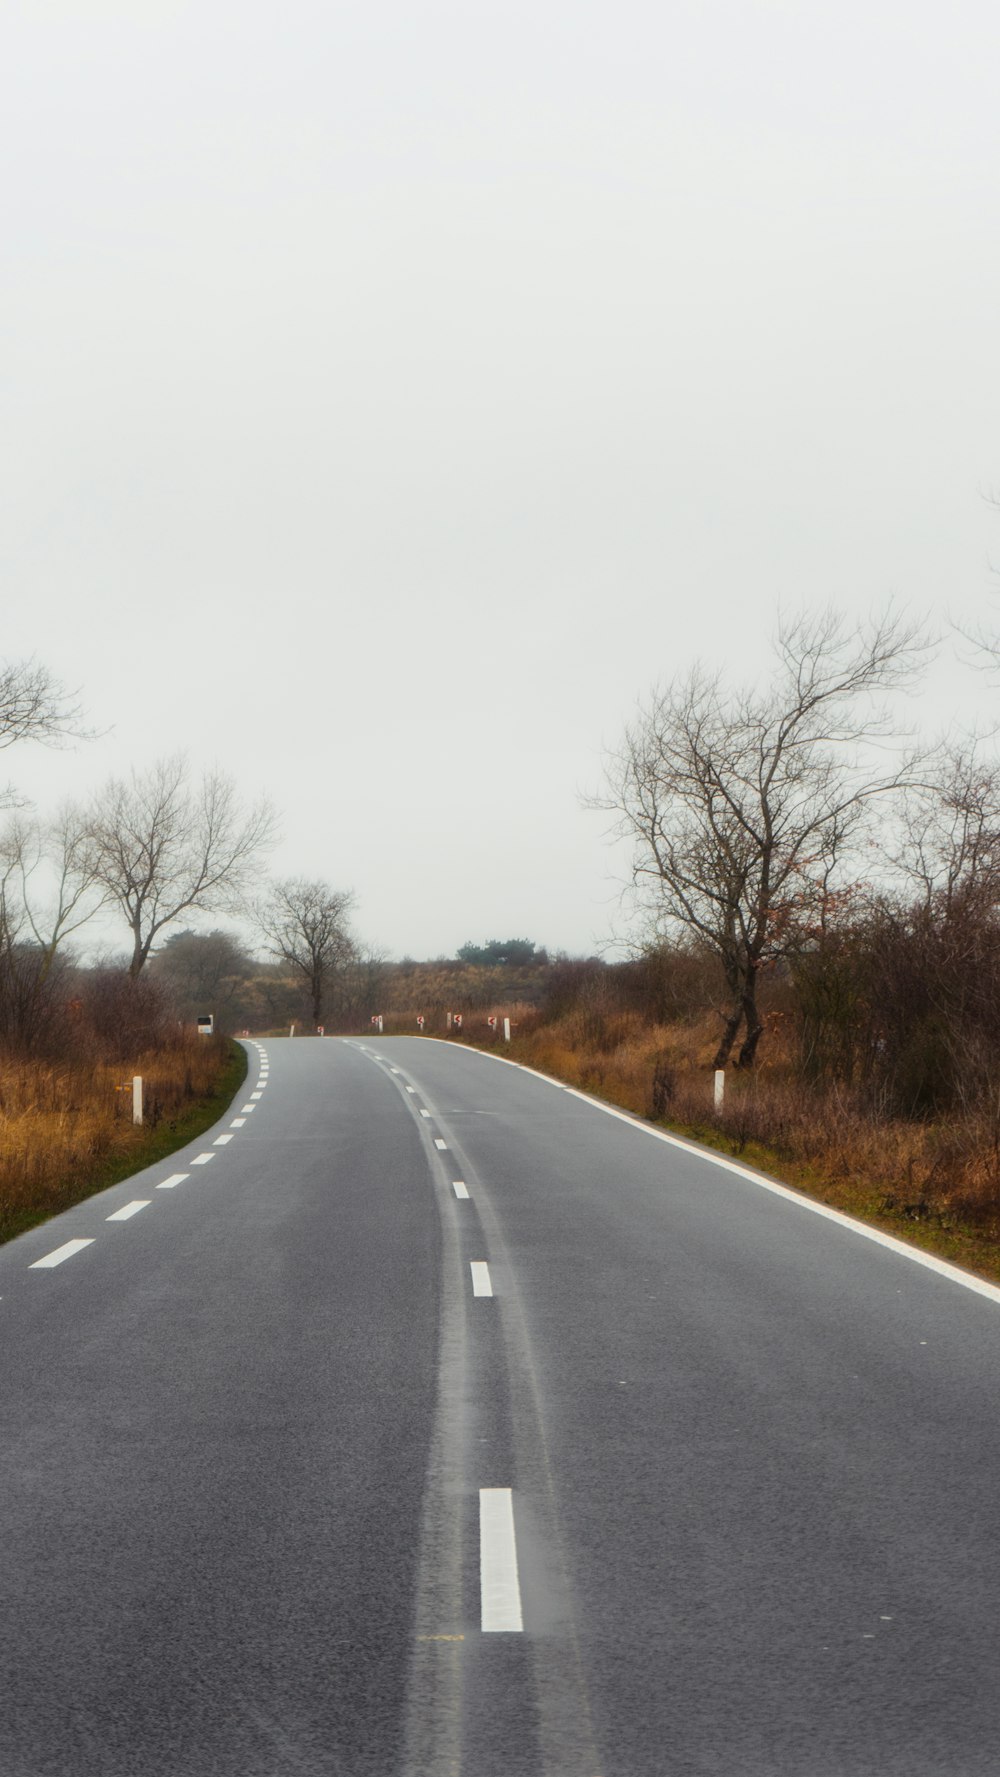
x,y
154,848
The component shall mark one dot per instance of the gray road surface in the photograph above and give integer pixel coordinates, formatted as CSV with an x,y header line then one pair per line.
x,y
751,1459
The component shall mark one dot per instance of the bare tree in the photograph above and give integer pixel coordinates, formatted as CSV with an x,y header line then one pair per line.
x,y
949,844
34,706
305,924
743,805
162,847
50,866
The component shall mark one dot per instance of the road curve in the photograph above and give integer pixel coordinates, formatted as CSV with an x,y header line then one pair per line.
x,y
441,1423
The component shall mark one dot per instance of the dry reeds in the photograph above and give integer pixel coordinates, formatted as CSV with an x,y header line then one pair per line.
x,y
65,1125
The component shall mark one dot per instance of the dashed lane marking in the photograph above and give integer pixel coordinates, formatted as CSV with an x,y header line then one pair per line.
x,y
176,1178
202,1159
499,1586
129,1209
482,1283
425,1113
442,1146
459,1186
60,1253
221,1141
237,1123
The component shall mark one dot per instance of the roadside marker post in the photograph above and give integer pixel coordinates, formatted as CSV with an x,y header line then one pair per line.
x,y
506,1030
137,1098
720,1087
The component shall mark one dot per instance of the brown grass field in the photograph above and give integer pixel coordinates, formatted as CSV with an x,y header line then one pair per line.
x,y
66,1129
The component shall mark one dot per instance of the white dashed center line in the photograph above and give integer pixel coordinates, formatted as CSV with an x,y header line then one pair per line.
x,y
425,1113
176,1178
499,1587
129,1209
442,1145
482,1283
256,1095
460,1190
202,1159
221,1140
411,1089
247,1108
237,1123
60,1253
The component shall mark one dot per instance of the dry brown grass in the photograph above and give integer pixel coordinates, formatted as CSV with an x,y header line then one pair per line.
x,y
66,1128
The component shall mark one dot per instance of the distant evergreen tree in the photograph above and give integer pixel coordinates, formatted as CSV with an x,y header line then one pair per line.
x,y
515,952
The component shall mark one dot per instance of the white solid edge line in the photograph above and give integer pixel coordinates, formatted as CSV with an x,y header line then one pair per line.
x,y
176,1178
202,1159
482,1283
221,1141
442,1146
129,1209
499,1587
942,1267
60,1253
460,1190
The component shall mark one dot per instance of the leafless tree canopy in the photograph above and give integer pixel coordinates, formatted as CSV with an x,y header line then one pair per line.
x,y
49,880
163,846
949,840
743,805
305,924
34,706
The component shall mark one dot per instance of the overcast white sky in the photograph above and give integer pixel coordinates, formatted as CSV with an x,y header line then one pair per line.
x,y
391,392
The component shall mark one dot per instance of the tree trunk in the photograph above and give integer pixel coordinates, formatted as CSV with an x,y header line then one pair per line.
x,y
731,1026
755,1029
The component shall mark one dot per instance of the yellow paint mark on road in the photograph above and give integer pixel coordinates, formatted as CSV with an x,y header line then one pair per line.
x,y
440,1637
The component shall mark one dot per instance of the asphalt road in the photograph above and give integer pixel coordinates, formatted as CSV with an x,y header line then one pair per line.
x,y
443,1424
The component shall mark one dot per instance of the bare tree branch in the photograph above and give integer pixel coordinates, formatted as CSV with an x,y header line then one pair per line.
x,y
162,847
52,864
35,706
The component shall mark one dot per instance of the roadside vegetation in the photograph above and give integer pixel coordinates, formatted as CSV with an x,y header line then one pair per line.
x,y
66,1126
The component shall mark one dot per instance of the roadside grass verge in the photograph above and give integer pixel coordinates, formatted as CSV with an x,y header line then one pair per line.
x,y
934,1184
66,1130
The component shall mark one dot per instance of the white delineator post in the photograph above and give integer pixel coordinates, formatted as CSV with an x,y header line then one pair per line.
x,y
292,1031
506,1030
720,1087
137,1098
